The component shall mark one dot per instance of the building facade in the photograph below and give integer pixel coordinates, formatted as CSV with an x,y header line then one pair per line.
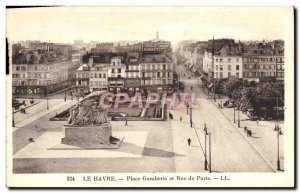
x,y
227,66
132,79
258,67
116,74
156,72
98,77
83,78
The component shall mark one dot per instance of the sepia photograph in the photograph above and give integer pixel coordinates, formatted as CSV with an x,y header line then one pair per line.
x,y
150,96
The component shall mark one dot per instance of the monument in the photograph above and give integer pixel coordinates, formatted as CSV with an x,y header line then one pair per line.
x,y
88,126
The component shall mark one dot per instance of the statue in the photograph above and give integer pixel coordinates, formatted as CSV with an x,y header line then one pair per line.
x,y
87,125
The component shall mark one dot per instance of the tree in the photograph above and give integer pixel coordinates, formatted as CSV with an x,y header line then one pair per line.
x,y
231,85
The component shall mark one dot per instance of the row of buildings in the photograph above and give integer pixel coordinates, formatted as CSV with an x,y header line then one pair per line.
x,y
225,58
40,68
153,73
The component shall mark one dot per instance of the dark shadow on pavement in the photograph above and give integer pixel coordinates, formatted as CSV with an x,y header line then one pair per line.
x,y
159,153
146,151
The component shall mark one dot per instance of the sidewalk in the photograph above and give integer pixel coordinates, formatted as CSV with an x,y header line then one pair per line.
x,y
40,109
264,137
193,157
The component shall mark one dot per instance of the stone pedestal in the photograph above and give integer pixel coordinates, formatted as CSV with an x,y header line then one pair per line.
x,y
90,136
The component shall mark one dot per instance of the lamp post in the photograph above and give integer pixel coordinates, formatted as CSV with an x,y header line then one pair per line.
x,y
234,113
278,158
13,118
214,91
47,98
205,157
191,119
209,152
187,109
239,121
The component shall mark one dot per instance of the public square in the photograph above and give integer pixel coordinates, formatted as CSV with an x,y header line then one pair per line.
x,y
149,146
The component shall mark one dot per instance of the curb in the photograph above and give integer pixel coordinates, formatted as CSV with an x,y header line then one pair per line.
x,y
27,107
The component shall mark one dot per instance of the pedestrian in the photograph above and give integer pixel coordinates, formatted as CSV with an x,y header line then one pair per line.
x,y
126,122
30,140
257,122
189,141
180,119
245,129
250,133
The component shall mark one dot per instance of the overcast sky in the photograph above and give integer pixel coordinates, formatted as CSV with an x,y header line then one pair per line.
x,y
105,24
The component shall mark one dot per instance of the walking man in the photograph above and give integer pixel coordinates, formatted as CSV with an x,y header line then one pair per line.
x,y
180,119
245,129
189,141
126,122
250,133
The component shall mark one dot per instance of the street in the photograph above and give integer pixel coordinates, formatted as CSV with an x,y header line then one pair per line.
x,y
231,152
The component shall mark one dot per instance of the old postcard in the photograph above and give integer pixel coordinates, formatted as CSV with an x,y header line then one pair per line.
x,y
150,97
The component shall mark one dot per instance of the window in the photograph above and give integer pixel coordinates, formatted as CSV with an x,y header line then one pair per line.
x,y
95,75
217,67
237,67
237,75
221,60
271,59
164,67
18,68
23,68
143,74
100,75
114,63
158,74
229,74
119,70
237,59
104,75
278,66
221,67
221,74
229,59
113,70
229,67
35,68
217,59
